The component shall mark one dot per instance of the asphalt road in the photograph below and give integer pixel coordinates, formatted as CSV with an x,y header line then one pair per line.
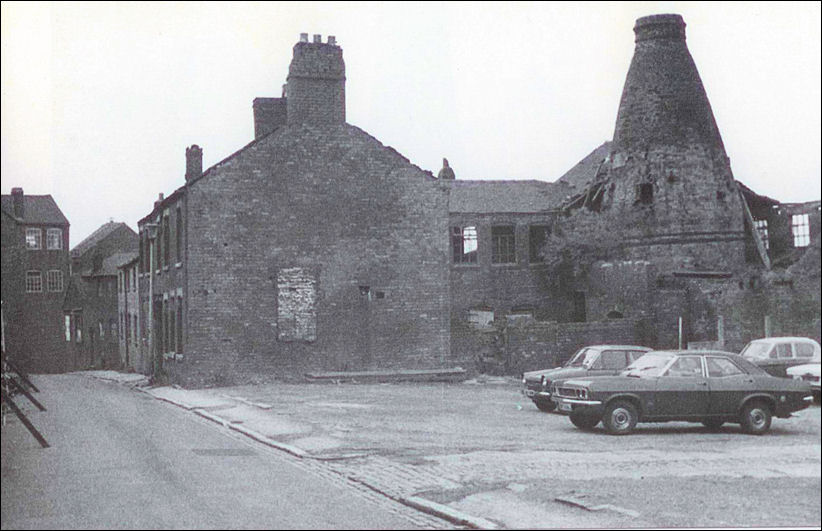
x,y
120,459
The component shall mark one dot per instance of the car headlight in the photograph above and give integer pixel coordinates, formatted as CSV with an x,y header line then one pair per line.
x,y
582,393
524,381
545,381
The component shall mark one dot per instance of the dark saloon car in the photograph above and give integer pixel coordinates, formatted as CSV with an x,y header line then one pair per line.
x,y
596,360
699,386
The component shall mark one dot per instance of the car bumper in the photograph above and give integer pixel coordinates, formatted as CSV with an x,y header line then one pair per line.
x,y
572,405
533,394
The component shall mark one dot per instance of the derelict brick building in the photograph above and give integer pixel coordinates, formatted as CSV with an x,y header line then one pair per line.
x,y
313,247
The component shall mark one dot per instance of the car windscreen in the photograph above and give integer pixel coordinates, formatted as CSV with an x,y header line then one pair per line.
x,y
650,364
584,358
756,351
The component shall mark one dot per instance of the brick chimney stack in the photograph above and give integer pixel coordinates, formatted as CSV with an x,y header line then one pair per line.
x,y
194,162
18,203
316,83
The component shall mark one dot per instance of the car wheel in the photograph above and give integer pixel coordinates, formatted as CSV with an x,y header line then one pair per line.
x,y
545,406
620,417
756,418
713,424
584,422
816,397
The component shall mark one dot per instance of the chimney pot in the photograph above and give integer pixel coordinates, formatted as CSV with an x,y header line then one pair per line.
x,y
318,39
303,37
194,162
332,40
18,204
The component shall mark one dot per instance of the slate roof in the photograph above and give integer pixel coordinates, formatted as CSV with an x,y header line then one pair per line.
x,y
92,239
110,265
585,170
39,209
486,197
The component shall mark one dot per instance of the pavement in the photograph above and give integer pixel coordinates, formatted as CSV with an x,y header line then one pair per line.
x,y
480,455
121,459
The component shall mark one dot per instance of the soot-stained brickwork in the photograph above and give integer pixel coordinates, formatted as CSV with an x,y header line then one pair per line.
x,y
314,247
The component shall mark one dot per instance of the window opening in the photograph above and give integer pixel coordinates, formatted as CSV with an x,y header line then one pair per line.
x,y
464,244
34,282
34,239
646,193
800,227
54,239
503,249
761,226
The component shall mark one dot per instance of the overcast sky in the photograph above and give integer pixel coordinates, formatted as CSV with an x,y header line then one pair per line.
x,y
100,101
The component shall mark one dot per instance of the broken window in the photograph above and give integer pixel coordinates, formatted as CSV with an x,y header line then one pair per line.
x,y
537,236
761,226
646,193
503,249
296,300
800,227
464,245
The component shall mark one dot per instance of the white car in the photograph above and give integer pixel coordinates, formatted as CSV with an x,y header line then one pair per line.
x,y
776,354
808,372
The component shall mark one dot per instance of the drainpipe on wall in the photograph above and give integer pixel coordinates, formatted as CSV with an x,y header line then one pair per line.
x,y
152,235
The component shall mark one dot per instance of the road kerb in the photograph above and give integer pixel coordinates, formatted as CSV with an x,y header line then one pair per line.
x,y
421,504
448,513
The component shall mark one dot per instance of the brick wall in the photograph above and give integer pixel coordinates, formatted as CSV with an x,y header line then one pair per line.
x,y
333,202
501,286
521,344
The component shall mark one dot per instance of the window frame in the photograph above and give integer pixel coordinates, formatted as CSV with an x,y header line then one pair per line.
x,y
509,256
32,275
54,273
801,230
37,243
459,241
51,232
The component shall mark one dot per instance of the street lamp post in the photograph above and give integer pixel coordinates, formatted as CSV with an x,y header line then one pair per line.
x,y
151,232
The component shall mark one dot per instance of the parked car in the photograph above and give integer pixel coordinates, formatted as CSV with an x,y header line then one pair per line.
x,y
809,373
710,387
776,354
594,360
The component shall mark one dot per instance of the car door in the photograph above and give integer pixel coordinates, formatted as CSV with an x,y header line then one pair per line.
x,y
682,390
728,384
